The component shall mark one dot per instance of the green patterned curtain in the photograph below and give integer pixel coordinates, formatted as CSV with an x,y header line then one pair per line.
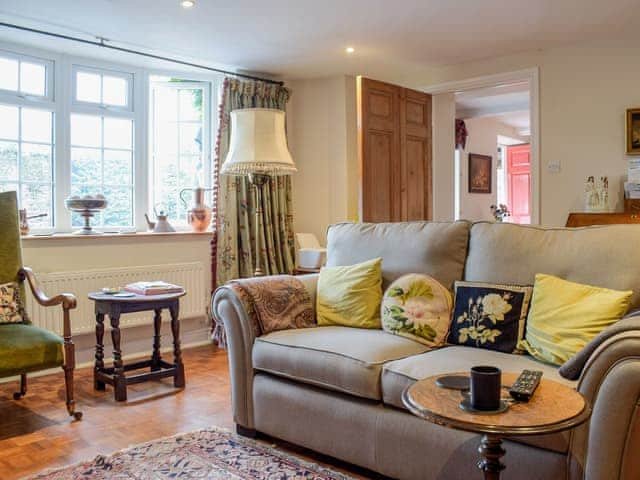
x,y
233,247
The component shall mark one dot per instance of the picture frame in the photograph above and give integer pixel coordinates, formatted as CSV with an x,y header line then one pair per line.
x,y
480,173
633,131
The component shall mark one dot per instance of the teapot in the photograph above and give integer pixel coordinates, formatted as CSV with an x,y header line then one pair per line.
x,y
199,215
161,225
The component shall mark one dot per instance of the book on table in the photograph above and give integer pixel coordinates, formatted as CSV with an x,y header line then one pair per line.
x,y
153,288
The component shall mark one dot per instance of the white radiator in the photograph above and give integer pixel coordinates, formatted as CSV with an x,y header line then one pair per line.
x,y
191,276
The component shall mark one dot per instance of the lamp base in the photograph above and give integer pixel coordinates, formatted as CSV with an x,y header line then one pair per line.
x,y
258,180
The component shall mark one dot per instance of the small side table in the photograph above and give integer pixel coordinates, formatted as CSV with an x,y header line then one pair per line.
x,y
115,306
553,408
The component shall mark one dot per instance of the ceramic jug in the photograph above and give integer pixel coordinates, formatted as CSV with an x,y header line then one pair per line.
x,y
199,214
161,225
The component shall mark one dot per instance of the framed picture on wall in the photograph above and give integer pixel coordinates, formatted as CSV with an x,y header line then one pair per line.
x,y
633,131
479,173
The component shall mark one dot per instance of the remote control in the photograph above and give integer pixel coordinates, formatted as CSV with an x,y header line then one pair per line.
x,y
524,386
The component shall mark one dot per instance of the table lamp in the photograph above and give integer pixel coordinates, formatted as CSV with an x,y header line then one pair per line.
x,y
258,149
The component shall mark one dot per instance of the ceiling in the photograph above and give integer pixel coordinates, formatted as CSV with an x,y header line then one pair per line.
x,y
508,104
307,38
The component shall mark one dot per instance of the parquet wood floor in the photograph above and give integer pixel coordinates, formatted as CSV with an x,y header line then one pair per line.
x,y
36,433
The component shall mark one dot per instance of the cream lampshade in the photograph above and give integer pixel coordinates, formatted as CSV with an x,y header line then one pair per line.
x,y
258,144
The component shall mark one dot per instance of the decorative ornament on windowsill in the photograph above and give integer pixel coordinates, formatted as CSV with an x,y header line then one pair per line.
x,y
161,225
87,207
596,195
258,149
199,215
500,212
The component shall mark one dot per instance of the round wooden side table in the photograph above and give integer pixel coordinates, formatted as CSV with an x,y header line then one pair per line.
x,y
114,306
553,408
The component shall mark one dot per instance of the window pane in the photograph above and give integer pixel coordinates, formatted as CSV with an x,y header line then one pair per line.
x,y
8,74
36,163
117,167
165,103
114,91
8,187
33,78
190,139
190,105
36,125
8,161
37,199
86,167
165,141
190,172
88,87
8,122
118,212
118,133
86,131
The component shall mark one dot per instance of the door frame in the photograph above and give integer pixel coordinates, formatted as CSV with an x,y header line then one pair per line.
x,y
530,75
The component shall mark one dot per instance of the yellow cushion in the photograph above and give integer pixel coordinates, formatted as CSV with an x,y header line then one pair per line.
x,y
350,295
565,316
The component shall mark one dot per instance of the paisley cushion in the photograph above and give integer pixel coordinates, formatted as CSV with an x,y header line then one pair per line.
x,y
11,308
418,307
489,316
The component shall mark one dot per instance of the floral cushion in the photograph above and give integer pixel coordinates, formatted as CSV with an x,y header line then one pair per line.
x,y
489,316
11,308
417,306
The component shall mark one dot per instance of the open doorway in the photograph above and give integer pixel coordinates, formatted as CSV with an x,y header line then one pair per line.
x,y
493,168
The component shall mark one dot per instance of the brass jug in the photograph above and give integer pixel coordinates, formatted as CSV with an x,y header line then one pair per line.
x,y
199,215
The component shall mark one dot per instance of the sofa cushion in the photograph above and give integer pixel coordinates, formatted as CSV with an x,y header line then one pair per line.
x,y
400,374
25,348
605,256
338,358
438,249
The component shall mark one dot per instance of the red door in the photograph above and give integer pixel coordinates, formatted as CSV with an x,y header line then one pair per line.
x,y
519,183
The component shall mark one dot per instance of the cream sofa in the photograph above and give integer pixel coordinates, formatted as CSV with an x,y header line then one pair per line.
x,y
338,390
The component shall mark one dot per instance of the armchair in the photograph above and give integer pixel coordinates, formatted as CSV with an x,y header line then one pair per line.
x,y
25,348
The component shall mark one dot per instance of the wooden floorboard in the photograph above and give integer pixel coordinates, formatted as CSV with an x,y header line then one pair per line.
x,y
36,433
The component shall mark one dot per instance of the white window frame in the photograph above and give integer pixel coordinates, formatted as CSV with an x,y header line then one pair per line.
x,y
60,99
207,148
127,76
49,75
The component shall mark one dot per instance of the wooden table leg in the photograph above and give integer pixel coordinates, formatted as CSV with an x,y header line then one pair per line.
x,y
120,382
491,450
99,364
178,379
155,356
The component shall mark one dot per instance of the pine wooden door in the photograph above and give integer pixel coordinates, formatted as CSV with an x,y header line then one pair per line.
x,y
394,140
519,183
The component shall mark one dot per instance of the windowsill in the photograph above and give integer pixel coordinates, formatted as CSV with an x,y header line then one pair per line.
x,y
142,235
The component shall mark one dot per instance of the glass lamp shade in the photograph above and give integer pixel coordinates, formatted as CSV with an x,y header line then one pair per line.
x,y
258,144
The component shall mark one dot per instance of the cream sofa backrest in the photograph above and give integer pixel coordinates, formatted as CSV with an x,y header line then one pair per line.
x,y
438,249
607,256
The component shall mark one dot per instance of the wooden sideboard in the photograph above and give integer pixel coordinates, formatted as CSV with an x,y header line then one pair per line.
x,y
588,219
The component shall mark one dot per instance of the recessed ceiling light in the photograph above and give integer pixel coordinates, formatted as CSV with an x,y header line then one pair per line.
x,y
350,50
187,3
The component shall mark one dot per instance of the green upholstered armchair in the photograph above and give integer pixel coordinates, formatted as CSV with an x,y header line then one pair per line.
x,y
25,348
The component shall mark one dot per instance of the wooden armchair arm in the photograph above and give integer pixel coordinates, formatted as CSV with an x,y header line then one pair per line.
x,y
67,300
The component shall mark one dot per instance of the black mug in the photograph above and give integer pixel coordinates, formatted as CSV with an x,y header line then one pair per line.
x,y
485,383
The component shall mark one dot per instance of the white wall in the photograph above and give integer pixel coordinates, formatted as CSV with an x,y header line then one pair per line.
x,y
584,91
322,139
443,120
483,139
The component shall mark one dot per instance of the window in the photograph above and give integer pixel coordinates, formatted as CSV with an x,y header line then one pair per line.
x,y
24,75
102,162
100,129
108,89
26,159
179,146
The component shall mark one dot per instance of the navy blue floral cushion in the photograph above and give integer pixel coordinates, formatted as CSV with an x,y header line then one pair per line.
x,y
490,316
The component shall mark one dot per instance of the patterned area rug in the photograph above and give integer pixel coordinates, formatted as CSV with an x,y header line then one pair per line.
x,y
210,454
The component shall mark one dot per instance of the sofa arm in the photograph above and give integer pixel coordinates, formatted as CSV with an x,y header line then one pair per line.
x,y
606,447
228,309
